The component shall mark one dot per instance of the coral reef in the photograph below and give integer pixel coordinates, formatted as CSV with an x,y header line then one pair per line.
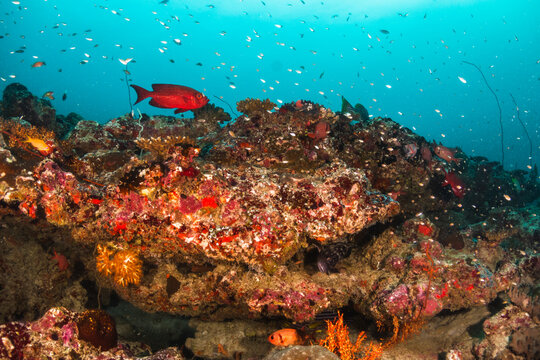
x,y
18,102
60,333
252,107
302,352
286,213
231,339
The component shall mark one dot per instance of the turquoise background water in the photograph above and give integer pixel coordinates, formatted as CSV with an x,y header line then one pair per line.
x,y
289,50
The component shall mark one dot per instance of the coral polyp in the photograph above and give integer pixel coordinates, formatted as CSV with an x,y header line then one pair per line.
x,y
128,268
124,266
104,263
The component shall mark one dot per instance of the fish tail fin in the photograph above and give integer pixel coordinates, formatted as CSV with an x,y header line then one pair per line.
x,y
141,93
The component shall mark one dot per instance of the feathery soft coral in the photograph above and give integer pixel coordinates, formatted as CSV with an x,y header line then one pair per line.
x,y
337,340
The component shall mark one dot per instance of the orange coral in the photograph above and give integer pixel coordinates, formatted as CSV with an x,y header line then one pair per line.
x,y
124,266
104,263
337,340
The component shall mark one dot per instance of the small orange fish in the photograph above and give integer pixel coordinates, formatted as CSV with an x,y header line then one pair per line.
x,y
285,337
43,147
49,95
38,64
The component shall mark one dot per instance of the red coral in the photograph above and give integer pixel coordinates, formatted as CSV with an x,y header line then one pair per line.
x,y
209,201
189,205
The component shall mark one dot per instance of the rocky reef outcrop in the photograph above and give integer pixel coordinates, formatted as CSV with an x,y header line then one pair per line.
x,y
282,212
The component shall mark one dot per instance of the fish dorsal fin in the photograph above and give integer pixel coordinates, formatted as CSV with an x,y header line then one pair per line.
x,y
165,87
345,105
168,87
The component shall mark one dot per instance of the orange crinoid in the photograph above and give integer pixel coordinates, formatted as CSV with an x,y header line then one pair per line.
x,y
124,265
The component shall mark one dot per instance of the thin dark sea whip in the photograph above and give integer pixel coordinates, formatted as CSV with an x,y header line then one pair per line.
x,y
220,99
524,129
498,105
126,72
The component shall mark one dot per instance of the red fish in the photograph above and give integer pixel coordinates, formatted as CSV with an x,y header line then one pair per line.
x,y
63,264
168,96
426,155
425,229
455,182
285,337
445,153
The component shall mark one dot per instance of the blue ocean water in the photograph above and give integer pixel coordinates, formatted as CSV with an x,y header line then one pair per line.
x,y
399,58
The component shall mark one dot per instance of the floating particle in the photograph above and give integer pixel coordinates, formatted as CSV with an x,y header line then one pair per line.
x,y
248,38
462,79
508,198
198,64
384,31
388,86
232,86
89,39
161,50
177,41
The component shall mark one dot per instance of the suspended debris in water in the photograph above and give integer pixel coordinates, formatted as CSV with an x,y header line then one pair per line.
x,y
384,31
